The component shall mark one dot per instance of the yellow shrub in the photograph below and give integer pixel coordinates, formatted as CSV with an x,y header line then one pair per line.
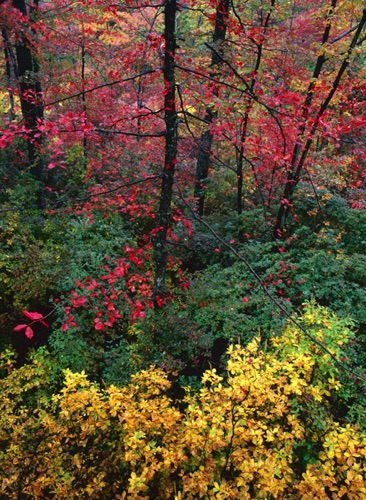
x,y
263,430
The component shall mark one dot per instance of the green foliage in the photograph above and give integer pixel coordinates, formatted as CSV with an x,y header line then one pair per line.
x,y
76,165
26,265
225,303
329,278
41,257
97,352
110,358
82,245
230,303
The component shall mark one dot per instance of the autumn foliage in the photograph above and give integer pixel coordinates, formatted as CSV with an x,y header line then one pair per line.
x,y
265,429
182,249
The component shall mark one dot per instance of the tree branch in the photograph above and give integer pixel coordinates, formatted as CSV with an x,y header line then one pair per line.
x,y
109,84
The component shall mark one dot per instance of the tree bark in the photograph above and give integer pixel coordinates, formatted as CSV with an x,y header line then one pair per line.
x,y
171,145
205,143
31,99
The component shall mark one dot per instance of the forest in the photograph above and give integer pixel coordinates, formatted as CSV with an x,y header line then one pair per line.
x,y
183,249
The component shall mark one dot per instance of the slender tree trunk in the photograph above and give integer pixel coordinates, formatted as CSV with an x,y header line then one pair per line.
x,y
205,143
83,98
171,142
203,162
31,99
240,165
11,68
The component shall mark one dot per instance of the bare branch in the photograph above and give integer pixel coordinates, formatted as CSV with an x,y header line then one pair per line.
x,y
134,134
342,35
109,84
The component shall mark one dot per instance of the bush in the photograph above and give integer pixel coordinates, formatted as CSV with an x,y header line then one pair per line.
x,y
266,429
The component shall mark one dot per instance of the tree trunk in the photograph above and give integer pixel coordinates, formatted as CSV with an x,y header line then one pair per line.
x,y
171,142
31,99
205,143
11,69
240,164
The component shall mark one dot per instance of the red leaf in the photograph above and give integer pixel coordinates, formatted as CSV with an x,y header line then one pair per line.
x,y
19,328
29,332
33,315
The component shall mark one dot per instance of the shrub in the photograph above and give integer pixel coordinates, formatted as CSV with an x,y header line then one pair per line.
x,y
265,430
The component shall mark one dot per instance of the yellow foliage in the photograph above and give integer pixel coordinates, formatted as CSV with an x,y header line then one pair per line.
x,y
262,430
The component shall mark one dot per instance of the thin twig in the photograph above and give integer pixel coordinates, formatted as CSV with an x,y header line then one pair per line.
x,y
97,87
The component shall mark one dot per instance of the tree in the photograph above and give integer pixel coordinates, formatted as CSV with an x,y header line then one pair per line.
x,y
311,121
125,125
205,142
25,69
171,147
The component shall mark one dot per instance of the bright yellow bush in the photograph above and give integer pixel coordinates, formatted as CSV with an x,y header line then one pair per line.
x,y
263,430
